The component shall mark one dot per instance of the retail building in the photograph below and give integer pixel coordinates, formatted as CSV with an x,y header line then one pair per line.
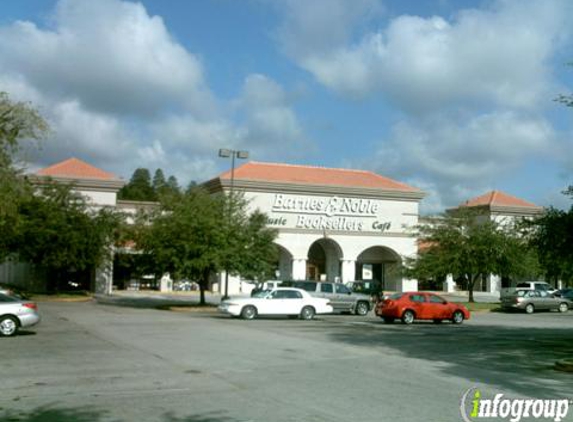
x,y
333,224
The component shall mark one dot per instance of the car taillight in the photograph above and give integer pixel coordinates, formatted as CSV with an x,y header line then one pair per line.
x,y
30,305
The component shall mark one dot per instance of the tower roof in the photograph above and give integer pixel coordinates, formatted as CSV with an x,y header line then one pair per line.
x,y
498,199
74,168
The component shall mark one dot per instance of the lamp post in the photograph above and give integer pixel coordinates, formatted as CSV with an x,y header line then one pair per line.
x,y
226,153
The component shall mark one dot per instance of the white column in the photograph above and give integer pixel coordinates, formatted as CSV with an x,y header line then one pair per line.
x,y
165,283
298,268
493,283
407,285
348,270
449,284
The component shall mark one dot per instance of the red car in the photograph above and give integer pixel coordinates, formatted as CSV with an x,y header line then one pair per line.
x,y
420,305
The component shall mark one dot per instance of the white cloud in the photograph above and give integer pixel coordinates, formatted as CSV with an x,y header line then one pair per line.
x,y
474,88
270,122
260,120
187,134
458,157
120,92
496,55
109,54
311,27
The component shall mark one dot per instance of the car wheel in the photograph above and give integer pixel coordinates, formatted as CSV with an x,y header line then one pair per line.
x,y
530,308
307,313
361,308
458,317
388,320
408,317
8,326
563,307
249,312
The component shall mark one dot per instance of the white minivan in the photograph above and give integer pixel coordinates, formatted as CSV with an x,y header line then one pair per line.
x,y
529,285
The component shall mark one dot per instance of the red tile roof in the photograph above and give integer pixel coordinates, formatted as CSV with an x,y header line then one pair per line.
x,y
76,169
498,199
309,175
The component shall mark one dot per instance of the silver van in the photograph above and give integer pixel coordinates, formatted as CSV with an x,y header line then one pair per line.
x,y
341,297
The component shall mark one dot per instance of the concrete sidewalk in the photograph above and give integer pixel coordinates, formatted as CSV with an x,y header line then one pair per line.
x,y
462,296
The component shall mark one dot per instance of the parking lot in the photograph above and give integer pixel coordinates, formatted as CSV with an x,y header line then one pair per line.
x,y
96,362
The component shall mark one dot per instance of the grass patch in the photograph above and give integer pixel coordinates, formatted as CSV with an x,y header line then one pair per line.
x,y
482,307
81,296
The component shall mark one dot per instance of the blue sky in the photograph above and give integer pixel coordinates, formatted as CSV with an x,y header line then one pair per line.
x,y
453,97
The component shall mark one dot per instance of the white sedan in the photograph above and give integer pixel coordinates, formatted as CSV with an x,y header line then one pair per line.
x,y
278,301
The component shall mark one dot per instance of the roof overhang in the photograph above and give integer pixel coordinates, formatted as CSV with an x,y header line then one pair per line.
x,y
219,185
95,185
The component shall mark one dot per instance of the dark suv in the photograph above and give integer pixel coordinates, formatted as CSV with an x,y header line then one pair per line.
x,y
373,288
341,297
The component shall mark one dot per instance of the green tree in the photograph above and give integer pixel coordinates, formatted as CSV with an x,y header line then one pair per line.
x,y
196,237
553,239
166,191
61,235
186,239
173,184
18,121
159,183
259,252
139,187
471,248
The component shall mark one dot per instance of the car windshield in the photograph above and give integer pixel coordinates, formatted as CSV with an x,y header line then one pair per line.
x,y
7,298
262,293
396,296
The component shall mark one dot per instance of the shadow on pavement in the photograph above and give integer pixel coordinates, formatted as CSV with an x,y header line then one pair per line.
x,y
150,302
45,414
514,358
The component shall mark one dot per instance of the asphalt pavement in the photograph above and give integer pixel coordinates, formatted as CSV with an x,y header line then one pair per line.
x,y
92,362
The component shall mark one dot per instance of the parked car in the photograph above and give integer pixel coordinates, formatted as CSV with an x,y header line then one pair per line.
x,y
185,286
373,288
528,285
10,290
341,297
566,293
16,313
411,306
279,301
267,285
535,300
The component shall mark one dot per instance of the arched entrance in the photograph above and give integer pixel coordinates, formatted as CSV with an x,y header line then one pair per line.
x,y
283,269
323,261
380,263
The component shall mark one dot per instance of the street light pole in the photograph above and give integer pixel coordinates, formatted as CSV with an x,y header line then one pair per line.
x,y
226,153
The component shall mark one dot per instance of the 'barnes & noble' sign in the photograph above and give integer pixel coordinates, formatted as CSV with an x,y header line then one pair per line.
x,y
334,213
